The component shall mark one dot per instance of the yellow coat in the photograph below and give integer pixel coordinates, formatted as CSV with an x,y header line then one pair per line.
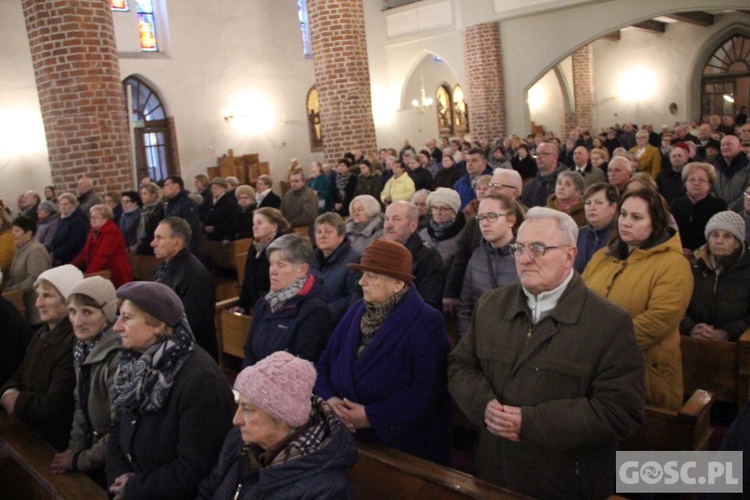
x,y
401,189
7,249
650,160
655,286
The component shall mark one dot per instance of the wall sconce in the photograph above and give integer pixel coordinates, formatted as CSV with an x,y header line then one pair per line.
x,y
729,98
227,113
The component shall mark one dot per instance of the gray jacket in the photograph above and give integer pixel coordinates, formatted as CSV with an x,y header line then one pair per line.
x,y
360,240
90,445
478,279
29,261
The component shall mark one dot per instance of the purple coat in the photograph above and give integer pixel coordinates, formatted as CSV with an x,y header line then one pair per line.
x,y
401,377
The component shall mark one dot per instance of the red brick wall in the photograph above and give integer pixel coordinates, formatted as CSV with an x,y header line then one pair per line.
x,y
484,78
583,85
78,80
342,74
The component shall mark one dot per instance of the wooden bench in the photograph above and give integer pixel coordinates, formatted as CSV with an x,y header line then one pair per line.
x,y
15,297
688,429
231,331
381,472
143,266
104,273
723,368
25,472
222,254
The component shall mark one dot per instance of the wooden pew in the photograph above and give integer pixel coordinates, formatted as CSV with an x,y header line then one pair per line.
x,y
385,473
143,266
25,472
221,254
104,273
723,368
16,298
239,262
231,331
688,429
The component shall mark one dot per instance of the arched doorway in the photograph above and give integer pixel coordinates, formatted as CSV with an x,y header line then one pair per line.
x,y
725,81
154,150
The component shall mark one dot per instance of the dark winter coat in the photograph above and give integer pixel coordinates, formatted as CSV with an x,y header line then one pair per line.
x,y
170,451
46,380
537,192
129,226
222,216
14,337
721,297
427,268
577,376
257,282
181,205
192,282
341,282
692,218
70,237
319,473
589,241
301,326
400,377
151,216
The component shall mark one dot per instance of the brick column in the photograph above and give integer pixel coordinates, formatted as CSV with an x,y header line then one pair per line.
x,y
342,74
78,80
486,86
583,87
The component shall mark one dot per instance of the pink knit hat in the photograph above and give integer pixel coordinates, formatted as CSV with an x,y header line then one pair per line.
x,y
281,385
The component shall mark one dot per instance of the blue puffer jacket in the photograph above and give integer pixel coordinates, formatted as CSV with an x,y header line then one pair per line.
x,y
70,237
301,326
319,473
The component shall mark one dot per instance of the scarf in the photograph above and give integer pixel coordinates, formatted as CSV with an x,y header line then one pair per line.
x,y
565,206
341,182
375,315
81,350
440,228
260,245
143,381
276,300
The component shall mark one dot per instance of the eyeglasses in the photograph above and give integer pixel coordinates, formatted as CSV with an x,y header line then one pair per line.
x,y
496,185
491,216
537,250
746,194
697,181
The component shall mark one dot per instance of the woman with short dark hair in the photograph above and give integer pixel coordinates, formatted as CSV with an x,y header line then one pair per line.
x,y
29,261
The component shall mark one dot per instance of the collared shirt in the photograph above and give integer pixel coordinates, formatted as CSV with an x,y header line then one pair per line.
x,y
259,196
542,303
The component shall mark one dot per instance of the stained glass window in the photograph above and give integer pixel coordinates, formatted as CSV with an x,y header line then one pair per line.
x,y
119,5
146,25
304,27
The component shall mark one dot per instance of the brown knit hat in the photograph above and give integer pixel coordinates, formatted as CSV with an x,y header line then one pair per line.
x,y
388,258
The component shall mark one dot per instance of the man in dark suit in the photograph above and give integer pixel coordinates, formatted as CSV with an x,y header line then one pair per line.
x,y
264,196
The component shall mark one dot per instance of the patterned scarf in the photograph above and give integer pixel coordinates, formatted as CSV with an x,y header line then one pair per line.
x,y
375,315
81,350
341,183
276,300
143,381
440,228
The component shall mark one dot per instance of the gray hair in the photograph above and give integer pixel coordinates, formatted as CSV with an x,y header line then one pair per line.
x,y
420,193
332,219
293,247
266,179
178,228
565,223
369,203
575,177
411,211
68,196
642,133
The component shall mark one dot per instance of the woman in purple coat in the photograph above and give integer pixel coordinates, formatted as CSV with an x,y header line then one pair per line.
x,y
384,371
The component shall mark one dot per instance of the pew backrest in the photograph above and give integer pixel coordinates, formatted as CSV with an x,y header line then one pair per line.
x,y
231,330
15,297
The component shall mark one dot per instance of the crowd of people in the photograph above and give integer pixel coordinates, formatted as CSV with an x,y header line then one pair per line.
x,y
569,267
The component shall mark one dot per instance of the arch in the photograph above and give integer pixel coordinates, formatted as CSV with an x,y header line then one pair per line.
x,y
153,131
702,57
408,73
314,127
141,80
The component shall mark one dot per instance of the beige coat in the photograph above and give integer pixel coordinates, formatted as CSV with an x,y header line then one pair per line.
x,y
29,261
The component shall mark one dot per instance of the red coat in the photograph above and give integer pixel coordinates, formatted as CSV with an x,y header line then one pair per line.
x,y
105,249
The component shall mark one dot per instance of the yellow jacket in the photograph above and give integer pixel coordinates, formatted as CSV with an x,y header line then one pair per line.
x,y
655,286
650,160
7,249
401,189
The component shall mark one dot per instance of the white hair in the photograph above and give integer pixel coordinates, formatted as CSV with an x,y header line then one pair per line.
x,y
565,223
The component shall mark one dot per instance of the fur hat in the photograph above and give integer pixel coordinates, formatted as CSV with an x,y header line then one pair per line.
x,y
388,258
219,182
102,291
158,300
63,278
244,189
445,195
728,221
281,385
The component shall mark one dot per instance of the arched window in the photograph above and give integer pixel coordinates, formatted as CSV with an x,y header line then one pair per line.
x,y
313,120
444,107
145,15
154,135
460,112
725,85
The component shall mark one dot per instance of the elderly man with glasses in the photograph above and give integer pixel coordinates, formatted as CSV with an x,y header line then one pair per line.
x,y
549,371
